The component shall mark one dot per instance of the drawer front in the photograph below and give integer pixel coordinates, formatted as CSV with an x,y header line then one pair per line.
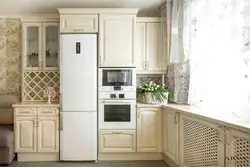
x,y
25,111
48,111
120,141
78,23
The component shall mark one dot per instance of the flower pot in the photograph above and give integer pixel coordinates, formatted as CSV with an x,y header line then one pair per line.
x,y
147,98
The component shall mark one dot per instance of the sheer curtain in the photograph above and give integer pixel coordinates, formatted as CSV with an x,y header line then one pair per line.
x,y
212,38
218,70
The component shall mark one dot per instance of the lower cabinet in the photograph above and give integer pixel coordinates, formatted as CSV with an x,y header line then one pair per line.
x,y
149,129
36,130
237,145
117,141
201,143
170,132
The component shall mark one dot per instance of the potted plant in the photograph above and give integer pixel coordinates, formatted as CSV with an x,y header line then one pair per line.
x,y
151,92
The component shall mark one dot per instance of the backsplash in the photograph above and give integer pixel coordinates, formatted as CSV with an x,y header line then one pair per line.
x,y
140,79
10,56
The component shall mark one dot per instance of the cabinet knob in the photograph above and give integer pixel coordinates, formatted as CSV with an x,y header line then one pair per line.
x,y
78,30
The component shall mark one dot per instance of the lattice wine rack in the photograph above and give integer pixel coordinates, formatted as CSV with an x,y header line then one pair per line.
x,y
35,82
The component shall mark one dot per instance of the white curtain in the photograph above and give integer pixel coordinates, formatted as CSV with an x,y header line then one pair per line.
x,y
217,36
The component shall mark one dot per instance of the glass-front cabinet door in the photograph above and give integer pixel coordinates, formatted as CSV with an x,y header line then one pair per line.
x,y
32,46
50,46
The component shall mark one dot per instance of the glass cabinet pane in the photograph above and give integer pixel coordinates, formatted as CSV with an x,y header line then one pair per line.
x,y
32,46
51,55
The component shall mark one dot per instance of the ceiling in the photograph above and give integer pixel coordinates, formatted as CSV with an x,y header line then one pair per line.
x,y
15,7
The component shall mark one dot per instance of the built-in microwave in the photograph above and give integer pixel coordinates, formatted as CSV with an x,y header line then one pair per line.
x,y
117,114
117,79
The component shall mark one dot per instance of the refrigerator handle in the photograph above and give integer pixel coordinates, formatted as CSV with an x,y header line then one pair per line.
x,y
61,122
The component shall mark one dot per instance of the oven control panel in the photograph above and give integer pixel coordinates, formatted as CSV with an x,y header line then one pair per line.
x,y
120,96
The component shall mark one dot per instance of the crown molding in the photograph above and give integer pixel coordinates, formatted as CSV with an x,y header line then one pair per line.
x,y
148,19
30,16
98,10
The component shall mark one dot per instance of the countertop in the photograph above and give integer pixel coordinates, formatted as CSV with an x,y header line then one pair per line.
x,y
35,104
228,119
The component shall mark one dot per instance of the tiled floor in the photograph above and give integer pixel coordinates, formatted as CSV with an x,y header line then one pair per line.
x,y
91,164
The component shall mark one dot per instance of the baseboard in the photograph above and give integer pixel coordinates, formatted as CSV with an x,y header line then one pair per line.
x,y
130,156
37,157
168,161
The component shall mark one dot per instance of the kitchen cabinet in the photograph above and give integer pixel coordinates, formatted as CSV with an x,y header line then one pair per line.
x,y
237,145
149,129
119,141
36,131
148,46
201,142
79,23
170,132
40,46
116,40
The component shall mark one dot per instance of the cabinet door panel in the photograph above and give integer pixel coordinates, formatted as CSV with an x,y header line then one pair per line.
x,y
149,130
25,134
48,134
79,23
31,46
50,46
154,47
117,141
197,139
116,40
140,44
237,148
171,135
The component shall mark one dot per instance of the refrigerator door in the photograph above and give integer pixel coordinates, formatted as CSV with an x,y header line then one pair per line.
x,y
78,72
78,136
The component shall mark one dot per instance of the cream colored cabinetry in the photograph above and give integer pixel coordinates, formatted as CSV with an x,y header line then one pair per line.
x,y
149,130
36,130
40,45
77,23
237,145
170,132
117,141
201,142
148,46
116,40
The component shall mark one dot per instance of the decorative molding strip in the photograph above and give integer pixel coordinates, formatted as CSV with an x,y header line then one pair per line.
x,y
30,16
148,19
98,10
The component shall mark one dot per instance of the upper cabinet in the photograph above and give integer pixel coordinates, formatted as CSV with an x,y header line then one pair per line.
x,y
149,47
87,23
116,40
40,43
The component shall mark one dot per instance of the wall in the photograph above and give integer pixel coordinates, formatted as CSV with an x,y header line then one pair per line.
x,y
10,56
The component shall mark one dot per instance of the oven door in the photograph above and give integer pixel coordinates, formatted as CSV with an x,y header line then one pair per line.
x,y
117,77
117,114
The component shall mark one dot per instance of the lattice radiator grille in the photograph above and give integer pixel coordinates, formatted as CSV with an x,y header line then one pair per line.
x,y
35,82
241,152
200,145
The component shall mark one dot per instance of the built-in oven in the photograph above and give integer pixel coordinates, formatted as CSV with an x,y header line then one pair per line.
x,y
117,79
117,114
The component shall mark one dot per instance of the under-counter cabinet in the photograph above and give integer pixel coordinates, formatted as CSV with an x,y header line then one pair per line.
x,y
148,46
40,46
36,132
170,136
119,141
149,129
201,142
237,145
116,40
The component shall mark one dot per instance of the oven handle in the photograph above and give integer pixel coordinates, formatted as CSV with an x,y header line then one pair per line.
x,y
118,102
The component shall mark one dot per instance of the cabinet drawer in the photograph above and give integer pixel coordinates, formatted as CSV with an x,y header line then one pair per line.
x,y
117,141
78,23
25,111
48,111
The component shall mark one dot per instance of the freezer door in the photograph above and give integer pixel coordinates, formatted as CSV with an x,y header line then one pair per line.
x,y
78,136
78,72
